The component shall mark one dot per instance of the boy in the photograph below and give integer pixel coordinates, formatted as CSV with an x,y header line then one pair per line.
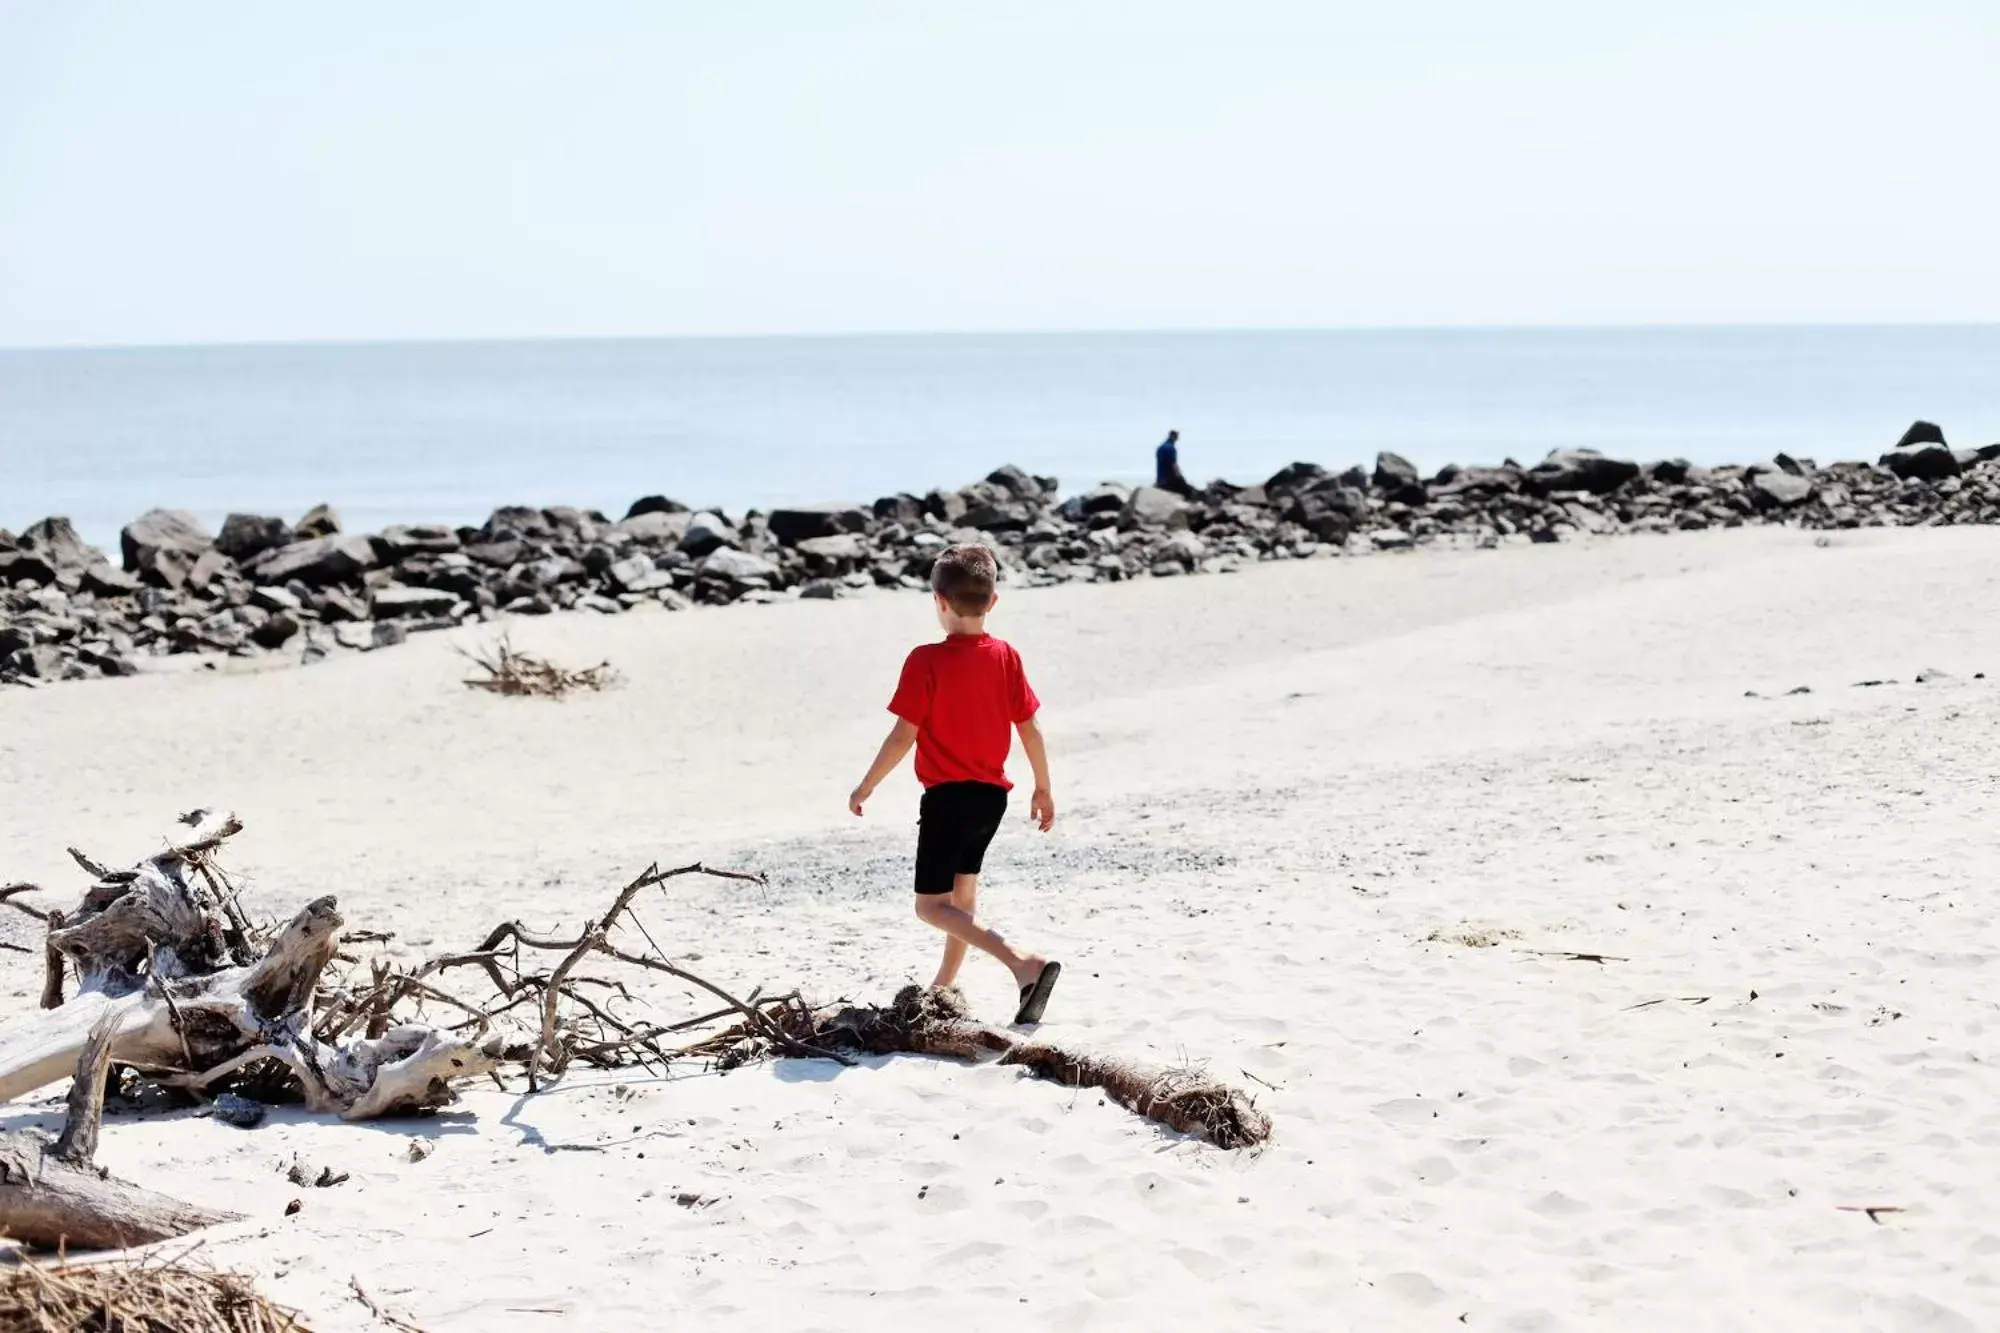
x,y
957,702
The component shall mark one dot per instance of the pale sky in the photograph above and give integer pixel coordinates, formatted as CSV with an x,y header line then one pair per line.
x,y
201,172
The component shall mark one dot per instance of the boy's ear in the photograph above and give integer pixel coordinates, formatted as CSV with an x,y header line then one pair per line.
x,y
992,602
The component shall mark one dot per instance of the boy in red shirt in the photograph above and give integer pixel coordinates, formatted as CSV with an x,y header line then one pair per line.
x,y
957,703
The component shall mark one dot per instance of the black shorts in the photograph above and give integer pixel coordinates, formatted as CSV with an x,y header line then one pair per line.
x,y
954,824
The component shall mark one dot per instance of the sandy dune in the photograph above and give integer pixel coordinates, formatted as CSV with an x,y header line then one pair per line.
x,y
1327,826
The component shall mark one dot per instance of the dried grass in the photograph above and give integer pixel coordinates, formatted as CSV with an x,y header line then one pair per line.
x,y
524,674
156,1295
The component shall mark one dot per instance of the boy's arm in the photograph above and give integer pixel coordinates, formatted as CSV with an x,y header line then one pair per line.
x,y
897,744
1043,806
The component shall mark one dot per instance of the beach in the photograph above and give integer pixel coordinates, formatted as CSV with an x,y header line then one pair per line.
x,y
1592,976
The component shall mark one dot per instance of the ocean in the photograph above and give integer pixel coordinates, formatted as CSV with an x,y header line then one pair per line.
x,y
443,432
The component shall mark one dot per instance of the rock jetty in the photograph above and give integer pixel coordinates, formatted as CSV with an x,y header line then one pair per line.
x,y
264,586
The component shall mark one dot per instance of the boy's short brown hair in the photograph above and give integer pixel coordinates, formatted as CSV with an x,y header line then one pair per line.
x,y
964,576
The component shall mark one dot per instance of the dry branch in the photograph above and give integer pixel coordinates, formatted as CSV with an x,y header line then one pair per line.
x,y
511,672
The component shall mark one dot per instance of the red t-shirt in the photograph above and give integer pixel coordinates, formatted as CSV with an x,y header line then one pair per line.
x,y
964,696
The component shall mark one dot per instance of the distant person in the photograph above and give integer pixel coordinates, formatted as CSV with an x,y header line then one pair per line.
x,y
958,702
1167,473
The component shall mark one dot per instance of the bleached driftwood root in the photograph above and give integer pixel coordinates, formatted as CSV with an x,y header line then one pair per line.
x,y
189,995
930,1021
53,1196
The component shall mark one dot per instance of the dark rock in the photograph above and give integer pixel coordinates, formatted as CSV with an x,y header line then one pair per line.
x,y
738,567
1792,466
334,604
1001,517
1295,477
1922,462
277,600
801,522
655,504
1581,470
946,506
13,638
1151,507
905,509
1393,472
320,521
234,1109
210,568
515,523
108,663
581,524
106,581
820,589
1476,481
317,561
56,541
276,631
1920,432
162,545
638,573
1780,490
244,537
400,541
387,634
1669,472
25,567
396,601
1016,483
555,570
498,555
39,662
835,555
1107,498
657,527
707,532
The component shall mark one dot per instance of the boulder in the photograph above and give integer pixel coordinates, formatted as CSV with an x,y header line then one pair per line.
x,y
1581,470
1106,498
820,589
1294,477
25,567
244,537
1003,516
800,522
106,581
497,555
1151,507
905,509
728,565
55,540
1329,512
279,601
1920,432
1922,462
334,604
637,573
1779,490
833,554
1393,472
39,662
656,527
945,506
394,601
654,504
400,541
706,533
162,545
1476,481
210,568
320,521
277,631
516,523
1016,483
317,561
1670,471
554,570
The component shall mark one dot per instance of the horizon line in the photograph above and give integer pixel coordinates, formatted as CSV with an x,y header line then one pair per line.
x,y
447,340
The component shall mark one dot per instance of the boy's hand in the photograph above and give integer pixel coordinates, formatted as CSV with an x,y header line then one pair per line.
x,y
857,798
1042,806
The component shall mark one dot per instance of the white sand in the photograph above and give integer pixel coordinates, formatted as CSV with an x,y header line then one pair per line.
x,y
1275,787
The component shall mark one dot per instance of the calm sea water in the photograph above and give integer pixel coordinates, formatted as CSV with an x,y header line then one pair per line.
x,y
446,431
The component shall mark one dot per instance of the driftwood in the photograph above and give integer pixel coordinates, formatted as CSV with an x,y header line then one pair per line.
x,y
173,983
932,1021
510,672
52,1194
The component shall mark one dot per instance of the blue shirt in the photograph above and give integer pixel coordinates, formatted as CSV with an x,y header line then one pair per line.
x,y
1166,462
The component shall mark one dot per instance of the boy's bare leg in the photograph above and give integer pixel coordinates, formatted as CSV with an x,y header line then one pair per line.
x,y
964,896
937,909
